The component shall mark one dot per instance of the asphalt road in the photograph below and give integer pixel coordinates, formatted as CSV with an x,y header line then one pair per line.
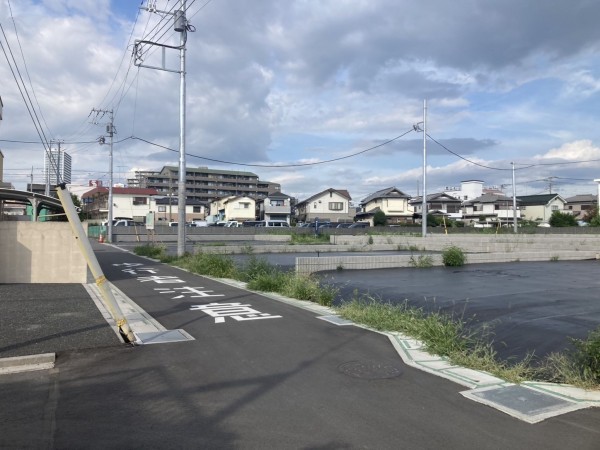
x,y
285,380
527,307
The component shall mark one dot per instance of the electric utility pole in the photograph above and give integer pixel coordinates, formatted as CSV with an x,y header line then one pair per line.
x,y
181,25
110,131
417,127
514,186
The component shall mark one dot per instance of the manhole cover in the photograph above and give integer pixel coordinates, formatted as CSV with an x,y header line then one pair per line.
x,y
370,370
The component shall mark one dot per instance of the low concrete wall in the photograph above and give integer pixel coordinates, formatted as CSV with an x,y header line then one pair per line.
x,y
312,264
40,252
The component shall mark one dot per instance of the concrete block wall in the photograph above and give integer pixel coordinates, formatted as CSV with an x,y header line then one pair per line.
x,y
40,252
308,265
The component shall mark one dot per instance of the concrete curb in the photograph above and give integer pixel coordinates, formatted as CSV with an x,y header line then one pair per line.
x,y
17,364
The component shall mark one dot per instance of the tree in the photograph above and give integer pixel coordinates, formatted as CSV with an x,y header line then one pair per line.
x,y
592,217
379,218
560,219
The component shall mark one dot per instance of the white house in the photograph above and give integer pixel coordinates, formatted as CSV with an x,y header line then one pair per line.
x,y
391,201
233,208
540,207
275,206
490,209
330,205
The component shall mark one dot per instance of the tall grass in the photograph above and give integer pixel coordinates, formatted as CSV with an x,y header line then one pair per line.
x,y
450,337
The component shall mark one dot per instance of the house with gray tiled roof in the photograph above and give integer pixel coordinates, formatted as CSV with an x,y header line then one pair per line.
x,y
438,204
580,205
392,201
330,205
540,207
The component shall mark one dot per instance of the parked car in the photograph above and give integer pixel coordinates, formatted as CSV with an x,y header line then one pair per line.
x,y
250,223
360,225
173,224
273,223
232,224
326,225
197,223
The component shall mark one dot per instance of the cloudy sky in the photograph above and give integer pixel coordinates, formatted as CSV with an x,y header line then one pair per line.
x,y
298,82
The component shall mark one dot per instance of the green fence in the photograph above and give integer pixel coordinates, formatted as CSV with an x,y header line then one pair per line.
x,y
94,231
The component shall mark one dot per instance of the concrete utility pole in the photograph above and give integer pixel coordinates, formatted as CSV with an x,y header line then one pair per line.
x,y
417,127
514,199
424,226
597,180
182,26
110,130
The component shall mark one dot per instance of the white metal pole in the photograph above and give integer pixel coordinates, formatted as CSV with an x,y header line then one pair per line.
x,y
514,199
597,180
182,168
110,181
424,200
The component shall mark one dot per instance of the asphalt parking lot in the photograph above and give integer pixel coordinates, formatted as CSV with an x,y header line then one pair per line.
x,y
527,307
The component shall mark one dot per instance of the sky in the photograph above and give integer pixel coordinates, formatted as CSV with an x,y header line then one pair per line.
x,y
280,88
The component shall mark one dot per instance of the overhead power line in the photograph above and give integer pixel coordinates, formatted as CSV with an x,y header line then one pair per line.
x,y
277,165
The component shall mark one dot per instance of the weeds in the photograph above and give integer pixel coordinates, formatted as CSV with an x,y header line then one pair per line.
x,y
421,262
554,258
309,239
453,256
212,264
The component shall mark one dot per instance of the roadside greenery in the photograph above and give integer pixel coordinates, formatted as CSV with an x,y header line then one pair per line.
x,y
453,256
450,337
561,219
379,218
421,261
442,334
304,239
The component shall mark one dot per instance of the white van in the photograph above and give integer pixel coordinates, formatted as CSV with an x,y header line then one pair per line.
x,y
273,223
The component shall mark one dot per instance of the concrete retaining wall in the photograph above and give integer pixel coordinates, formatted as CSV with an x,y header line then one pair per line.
x,y
40,252
313,264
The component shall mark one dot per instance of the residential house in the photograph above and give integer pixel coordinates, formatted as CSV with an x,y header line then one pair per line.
x,y
330,205
438,204
540,207
127,202
580,205
233,208
391,201
166,209
276,206
490,209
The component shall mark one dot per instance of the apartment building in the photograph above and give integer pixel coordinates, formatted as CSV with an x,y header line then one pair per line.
x,y
204,184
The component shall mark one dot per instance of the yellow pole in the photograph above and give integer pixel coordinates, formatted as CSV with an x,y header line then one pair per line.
x,y
92,261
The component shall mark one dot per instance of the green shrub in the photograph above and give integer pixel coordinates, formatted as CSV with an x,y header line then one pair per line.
x,y
254,268
560,219
379,219
587,355
453,256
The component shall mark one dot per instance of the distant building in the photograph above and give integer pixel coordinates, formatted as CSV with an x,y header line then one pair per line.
x,y
204,184
276,206
580,205
391,201
57,161
540,207
330,205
